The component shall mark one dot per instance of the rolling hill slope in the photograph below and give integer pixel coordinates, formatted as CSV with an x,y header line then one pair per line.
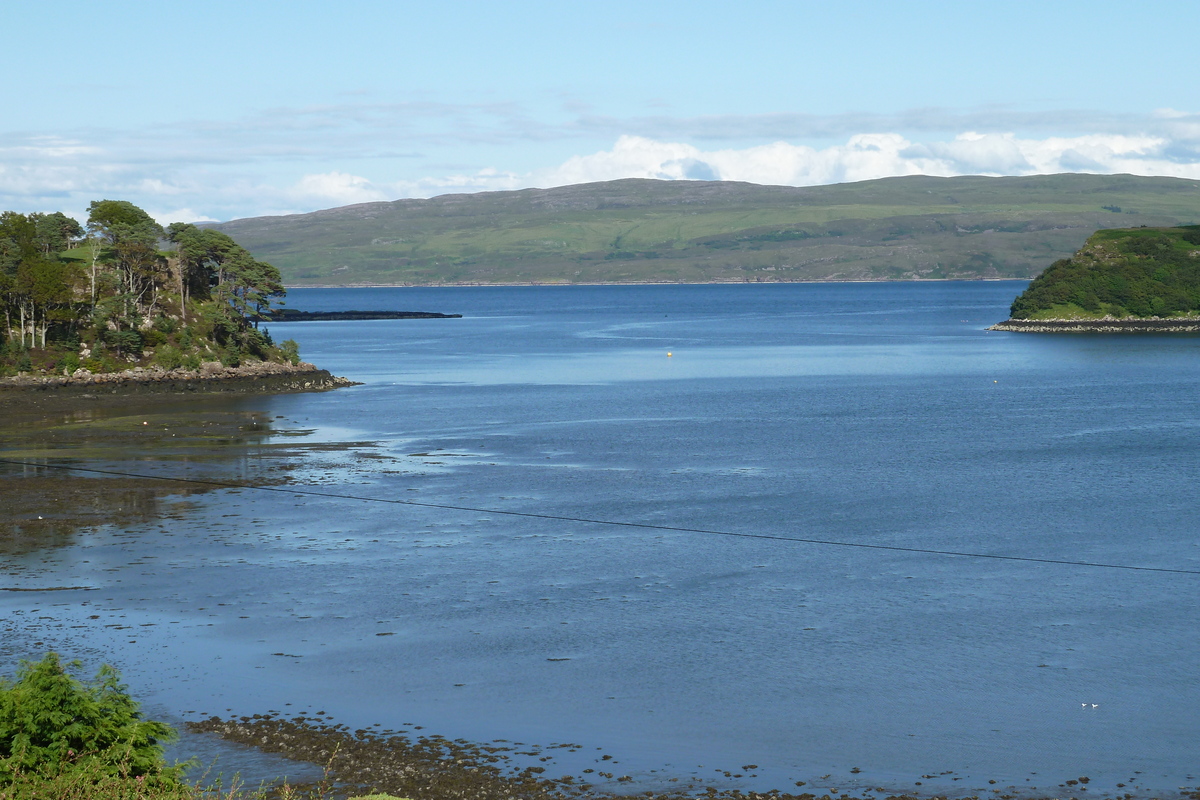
x,y
699,231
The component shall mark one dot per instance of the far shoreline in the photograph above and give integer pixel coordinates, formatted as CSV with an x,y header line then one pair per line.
x,y
642,283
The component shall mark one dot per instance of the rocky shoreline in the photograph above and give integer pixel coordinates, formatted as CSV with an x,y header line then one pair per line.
x,y
431,767
408,763
1103,325
212,377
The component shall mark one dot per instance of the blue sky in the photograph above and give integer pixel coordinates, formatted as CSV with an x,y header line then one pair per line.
x,y
226,109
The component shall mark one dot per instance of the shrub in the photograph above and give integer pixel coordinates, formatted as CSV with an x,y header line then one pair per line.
x,y
291,350
153,337
165,324
168,357
125,342
52,723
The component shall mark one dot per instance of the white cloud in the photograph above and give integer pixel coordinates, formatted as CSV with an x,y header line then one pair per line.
x,y
631,157
294,161
179,215
875,155
335,188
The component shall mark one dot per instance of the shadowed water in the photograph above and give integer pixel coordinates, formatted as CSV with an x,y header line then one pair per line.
x,y
856,414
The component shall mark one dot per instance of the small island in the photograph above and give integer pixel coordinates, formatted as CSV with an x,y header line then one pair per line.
x,y
292,315
1128,280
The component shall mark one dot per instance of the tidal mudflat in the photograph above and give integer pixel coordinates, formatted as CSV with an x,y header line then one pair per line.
x,y
883,416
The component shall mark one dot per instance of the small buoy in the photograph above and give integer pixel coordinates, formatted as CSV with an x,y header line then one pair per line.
x,y
995,381
145,423
668,355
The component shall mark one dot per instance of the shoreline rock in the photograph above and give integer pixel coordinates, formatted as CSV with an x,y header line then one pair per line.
x,y
1102,325
212,377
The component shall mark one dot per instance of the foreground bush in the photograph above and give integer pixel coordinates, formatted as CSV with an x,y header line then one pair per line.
x,y
56,727
66,739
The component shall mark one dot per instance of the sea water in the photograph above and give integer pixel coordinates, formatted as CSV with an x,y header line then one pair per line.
x,y
837,531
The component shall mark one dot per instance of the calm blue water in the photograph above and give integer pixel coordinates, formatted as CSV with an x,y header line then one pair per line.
x,y
863,414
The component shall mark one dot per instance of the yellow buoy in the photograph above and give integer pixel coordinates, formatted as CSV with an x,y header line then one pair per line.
x,y
668,355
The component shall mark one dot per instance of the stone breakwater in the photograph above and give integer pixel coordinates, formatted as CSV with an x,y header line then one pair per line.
x,y
1103,325
212,377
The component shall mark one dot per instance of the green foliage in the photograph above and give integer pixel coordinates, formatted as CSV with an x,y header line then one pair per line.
x,y
291,350
124,342
117,214
168,357
56,232
112,291
166,325
51,723
152,337
70,362
1134,272
237,288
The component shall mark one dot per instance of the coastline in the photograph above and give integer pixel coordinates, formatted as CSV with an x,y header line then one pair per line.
x,y
211,377
1103,325
408,763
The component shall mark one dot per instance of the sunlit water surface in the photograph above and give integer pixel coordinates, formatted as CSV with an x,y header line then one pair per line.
x,y
857,414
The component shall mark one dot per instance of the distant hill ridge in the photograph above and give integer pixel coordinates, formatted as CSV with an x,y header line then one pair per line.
x,y
637,230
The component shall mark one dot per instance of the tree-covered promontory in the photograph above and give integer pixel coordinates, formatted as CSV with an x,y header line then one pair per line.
x,y
1140,273
124,292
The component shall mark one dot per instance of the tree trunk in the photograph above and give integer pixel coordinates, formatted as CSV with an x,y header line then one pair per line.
x,y
95,256
182,292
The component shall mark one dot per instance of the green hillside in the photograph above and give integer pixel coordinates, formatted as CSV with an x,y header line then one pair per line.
x,y
1138,272
697,231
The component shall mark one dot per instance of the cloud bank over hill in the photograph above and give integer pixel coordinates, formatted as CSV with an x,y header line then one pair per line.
x,y
299,160
876,155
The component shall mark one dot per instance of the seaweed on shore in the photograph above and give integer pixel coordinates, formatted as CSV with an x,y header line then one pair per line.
x,y
435,768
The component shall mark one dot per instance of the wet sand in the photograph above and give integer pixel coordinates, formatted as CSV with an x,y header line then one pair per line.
x,y
42,432
113,424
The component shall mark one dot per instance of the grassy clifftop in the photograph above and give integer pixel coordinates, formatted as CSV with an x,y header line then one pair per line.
x,y
1128,273
696,231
